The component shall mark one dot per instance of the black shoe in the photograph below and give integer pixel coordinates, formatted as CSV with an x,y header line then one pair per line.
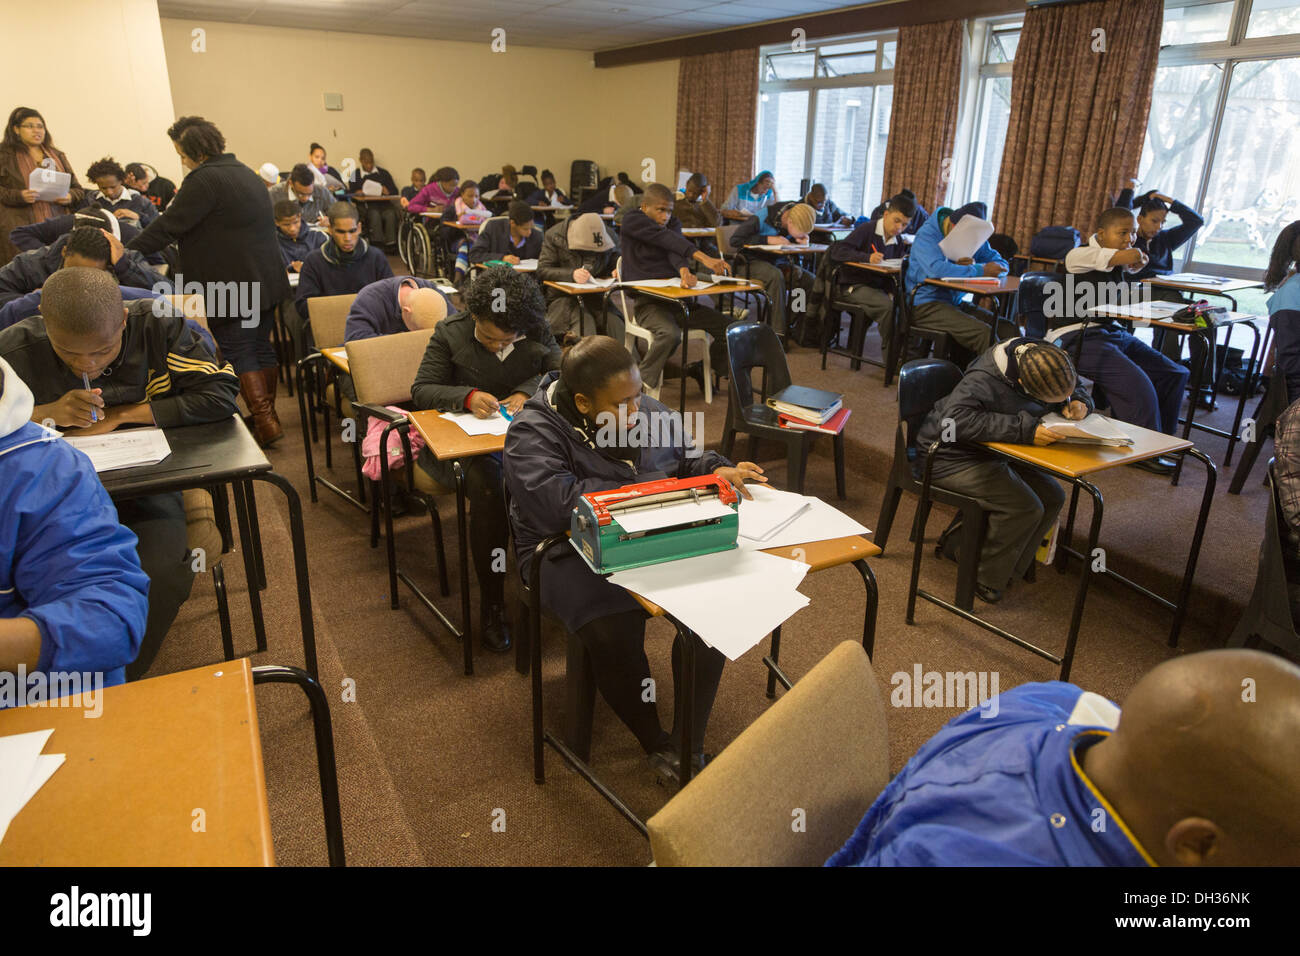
x,y
496,632
987,594
1157,466
696,371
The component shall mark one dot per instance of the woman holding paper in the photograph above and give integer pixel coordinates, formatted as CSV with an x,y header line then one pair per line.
x,y
26,147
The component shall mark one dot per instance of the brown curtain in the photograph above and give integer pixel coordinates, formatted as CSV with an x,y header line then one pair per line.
x,y
923,120
717,106
1078,115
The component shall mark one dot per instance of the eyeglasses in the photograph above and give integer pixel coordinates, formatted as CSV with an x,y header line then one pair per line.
x,y
32,126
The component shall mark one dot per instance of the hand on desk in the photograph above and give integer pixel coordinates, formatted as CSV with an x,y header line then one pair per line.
x,y
744,471
510,259
993,269
71,410
877,257
688,278
514,402
113,418
127,214
1043,435
1076,411
581,276
483,405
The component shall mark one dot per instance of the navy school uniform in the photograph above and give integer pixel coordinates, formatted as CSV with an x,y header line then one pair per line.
x,y
376,310
1160,249
129,199
871,291
1142,386
326,272
494,241
918,220
297,250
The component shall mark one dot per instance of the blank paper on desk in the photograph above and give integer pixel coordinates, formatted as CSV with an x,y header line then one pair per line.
x,y
23,771
731,599
779,519
470,424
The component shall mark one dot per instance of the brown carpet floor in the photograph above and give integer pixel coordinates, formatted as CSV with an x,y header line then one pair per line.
x,y
429,758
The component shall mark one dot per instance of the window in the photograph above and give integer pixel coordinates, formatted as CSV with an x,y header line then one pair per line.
x,y
1193,22
988,132
1178,129
823,116
1272,18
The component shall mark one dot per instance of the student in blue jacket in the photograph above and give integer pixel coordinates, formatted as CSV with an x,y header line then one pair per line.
x,y
933,307
555,453
72,595
1283,280
1193,772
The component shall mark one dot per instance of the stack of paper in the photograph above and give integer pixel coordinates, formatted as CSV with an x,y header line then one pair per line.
x,y
666,284
123,449
472,425
1093,430
23,771
780,519
526,265
592,283
1195,278
966,238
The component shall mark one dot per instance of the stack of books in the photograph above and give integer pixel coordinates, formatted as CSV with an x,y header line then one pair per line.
x,y
810,408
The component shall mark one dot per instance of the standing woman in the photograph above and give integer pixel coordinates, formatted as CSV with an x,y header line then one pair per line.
x,y
221,219
27,145
751,198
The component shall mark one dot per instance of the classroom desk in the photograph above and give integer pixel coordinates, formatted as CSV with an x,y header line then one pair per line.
x,y
126,794
600,322
1221,289
819,555
1004,292
446,442
699,232
360,198
337,356
218,454
551,213
682,298
1077,464
517,266
1156,315
854,351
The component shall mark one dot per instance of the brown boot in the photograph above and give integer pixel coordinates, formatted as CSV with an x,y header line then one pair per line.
x,y
266,428
272,378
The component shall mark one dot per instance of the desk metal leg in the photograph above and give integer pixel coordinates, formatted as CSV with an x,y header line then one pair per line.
x,y
1198,380
1063,553
253,525
299,537
1085,572
687,705
1255,356
250,562
1185,591
462,536
686,335
772,662
308,419
873,604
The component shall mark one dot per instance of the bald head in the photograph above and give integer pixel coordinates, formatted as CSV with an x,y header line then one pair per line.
x,y
1205,764
422,308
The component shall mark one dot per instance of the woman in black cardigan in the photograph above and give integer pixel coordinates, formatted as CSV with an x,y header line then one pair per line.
x,y
221,220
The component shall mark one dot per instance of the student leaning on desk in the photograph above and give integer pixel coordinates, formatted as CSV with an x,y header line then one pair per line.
x,y
556,450
145,366
72,595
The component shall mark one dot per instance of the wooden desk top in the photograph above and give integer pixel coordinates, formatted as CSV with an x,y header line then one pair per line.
x,y
465,226
1006,285
337,355
833,228
820,555
672,292
1232,285
889,270
133,777
698,232
1155,315
433,212
788,250
360,198
447,440
567,291
545,208
1075,461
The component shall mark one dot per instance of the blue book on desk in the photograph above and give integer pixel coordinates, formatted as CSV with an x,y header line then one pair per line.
x,y
810,404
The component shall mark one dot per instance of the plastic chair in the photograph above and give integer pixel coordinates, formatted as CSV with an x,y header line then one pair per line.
x,y
751,345
1270,408
1268,615
921,383
633,331
1030,296
908,330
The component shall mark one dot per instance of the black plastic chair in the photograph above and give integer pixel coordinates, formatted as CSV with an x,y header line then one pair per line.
x,y
1030,297
1269,410
1268,615
751,345
908,329
858,324
921,383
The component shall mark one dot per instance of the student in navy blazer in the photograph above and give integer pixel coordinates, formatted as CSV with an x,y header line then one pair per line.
x,y
873,241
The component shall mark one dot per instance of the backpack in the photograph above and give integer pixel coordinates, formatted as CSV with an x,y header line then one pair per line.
x,y
1053,242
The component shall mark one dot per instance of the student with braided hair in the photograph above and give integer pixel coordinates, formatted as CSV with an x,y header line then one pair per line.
x,y
1003,397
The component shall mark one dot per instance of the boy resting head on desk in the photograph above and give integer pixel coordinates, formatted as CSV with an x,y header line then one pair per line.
x,y
1003,398
781,224
560,447
72,596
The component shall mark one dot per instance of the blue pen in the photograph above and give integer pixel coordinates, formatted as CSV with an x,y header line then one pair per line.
x,y
94,415
505,414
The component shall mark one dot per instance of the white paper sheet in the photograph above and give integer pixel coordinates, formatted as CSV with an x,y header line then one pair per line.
x,y
1095,429
1155,309
293,280
470,425
683,512
966,238
1195,278
372,187
666,284
123,449
50,184
892,263
817,522
731,599
23,771
589,284
526,265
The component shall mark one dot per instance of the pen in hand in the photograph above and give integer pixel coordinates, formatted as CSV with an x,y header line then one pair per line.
x,y
94,415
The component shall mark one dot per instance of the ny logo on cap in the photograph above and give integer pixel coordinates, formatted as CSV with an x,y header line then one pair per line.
x,y
598,239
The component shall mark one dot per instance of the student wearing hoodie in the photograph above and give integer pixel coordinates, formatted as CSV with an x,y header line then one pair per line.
x,y
110,194
1003,397
346,263
83,246
145,367
509,238
297,239
574,250
73,598
933,307
554,453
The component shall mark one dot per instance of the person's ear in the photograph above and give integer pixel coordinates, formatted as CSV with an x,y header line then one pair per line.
x,y
1193,841
584,404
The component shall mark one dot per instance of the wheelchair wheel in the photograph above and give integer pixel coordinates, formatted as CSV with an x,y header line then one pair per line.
x,y
404,230
419,256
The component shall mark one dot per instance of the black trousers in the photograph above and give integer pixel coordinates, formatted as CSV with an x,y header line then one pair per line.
x,y
247,348
381,222
158,522
488,527
616,644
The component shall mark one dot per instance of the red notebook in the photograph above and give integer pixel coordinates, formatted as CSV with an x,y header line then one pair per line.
x,y
833,425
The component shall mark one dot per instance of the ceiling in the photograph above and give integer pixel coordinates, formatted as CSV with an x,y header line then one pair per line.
x,y
567,24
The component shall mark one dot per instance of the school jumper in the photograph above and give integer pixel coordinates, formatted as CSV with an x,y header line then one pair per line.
x,y
376,310
311,210
557,263
1284,315
129,199
455,366
495,242
870,291
431,194
552,457
380,216
297,250
970,328
1001,787
829,214
165,364
770,268
27,271
66,562
1142,386
329,271
652,251
1022,502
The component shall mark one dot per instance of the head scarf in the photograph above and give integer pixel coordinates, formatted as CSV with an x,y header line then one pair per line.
x,y
743,189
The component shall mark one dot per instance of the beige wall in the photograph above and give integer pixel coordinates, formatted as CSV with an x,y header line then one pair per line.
x,y
96,71
420,102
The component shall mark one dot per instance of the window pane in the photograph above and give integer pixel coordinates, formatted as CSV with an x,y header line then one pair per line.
x,y
875,185
790,66
1178,130
991,137
1002,45
848,65
1206,23
782,137
887,55
1254,188
841,142
1272,18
